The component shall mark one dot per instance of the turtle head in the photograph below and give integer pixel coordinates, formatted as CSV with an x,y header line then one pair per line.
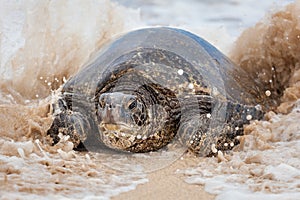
x,y
121,117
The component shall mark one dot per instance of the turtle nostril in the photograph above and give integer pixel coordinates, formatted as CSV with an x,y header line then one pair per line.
x,y
139,123
101,104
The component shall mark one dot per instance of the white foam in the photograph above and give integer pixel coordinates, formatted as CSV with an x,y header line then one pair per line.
x,y
267,168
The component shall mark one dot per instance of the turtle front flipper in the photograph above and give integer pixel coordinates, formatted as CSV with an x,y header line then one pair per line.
x,y
67,122
207,133
194,134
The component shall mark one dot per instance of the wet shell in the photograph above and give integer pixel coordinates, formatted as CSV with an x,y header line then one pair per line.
x,y
191,95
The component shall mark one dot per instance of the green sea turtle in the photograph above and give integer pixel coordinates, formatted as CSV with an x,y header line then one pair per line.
x,y
153,86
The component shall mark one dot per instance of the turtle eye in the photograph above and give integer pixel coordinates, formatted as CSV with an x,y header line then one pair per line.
x,y
132,105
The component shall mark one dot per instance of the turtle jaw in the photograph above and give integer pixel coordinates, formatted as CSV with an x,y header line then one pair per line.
x,y
118,136
115,127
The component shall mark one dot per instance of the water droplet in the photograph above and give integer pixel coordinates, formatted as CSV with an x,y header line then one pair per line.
x,y
180,72
268,93
258,107
215,91
191,86
249,117
213,148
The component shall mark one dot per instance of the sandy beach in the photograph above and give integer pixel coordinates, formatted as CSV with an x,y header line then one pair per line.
x,y
167,184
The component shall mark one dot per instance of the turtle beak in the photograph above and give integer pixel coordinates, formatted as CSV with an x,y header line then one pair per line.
x,y
107,116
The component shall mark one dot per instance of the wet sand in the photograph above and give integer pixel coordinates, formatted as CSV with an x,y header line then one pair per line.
x,y
167,184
